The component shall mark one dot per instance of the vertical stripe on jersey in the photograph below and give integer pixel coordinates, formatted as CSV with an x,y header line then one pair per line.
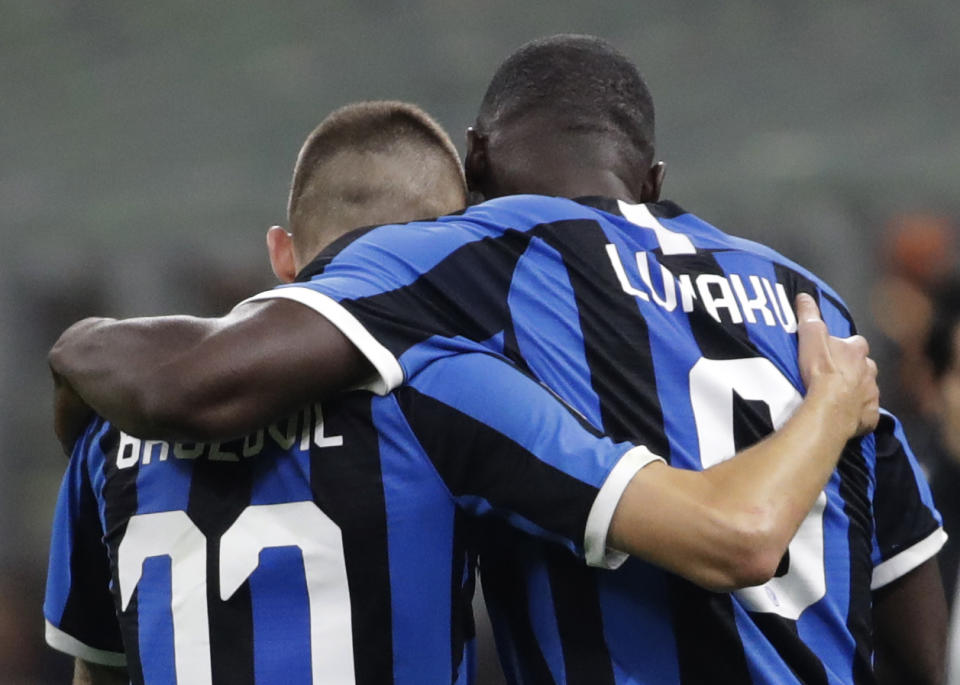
x,y
854,488
637,617
219,492
281,617
89,603
783,636
281,620
347,485
708,642
576,603
795,283
548,336
509,563
421,576
462,580
618,350
709,649
155,600
615,337
899,509
120,497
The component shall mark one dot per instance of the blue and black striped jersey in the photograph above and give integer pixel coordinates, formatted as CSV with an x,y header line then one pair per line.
x,y
663,331
329,547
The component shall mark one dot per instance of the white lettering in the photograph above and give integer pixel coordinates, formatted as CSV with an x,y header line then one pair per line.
x,y
321,440
148,446
781,305
286,438
757,303
622,274
725,299
669,299
790,320
253,444
305,431
128,453
217,454
687,293
181,451
717,292
131,450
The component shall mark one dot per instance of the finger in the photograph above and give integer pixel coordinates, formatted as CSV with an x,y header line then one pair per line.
x,y
860,342
811,331
807,309
850,349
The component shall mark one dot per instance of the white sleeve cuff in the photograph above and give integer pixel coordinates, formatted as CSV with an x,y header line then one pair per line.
x,y
908,559
601,513
389,372
62,642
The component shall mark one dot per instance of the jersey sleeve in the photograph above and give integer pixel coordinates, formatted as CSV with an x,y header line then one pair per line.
x,y
78,606
433,286
909,529
504,444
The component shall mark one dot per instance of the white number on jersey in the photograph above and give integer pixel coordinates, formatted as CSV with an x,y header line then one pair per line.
x,y
712,384
297,524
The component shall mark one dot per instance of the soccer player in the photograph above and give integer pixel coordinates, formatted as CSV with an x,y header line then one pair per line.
x,y
655,325
330,544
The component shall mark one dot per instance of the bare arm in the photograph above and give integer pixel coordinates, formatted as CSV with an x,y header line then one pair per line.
x,y
70,414
728,526
181,377
86,673
910,626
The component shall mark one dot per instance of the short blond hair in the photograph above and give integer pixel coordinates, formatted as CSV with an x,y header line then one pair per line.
x,y
372,163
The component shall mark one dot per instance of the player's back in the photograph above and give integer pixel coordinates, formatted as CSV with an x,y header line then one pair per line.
x,y
330,547
680,337
320,549
662,330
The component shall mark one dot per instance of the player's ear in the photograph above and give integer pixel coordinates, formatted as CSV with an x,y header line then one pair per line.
x,y
653,184
280,249
475,165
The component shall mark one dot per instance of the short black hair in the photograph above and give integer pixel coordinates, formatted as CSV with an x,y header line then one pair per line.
x,y
582,81
370,163
377,127
940,345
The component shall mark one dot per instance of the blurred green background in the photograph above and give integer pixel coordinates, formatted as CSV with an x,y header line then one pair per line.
x,y
146,147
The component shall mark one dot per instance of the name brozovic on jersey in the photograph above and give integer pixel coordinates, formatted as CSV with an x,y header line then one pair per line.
x,y
329,547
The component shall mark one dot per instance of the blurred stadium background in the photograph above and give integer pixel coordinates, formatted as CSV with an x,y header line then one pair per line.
x,y
146,147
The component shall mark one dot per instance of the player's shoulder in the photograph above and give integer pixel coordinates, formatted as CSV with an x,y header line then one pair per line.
x,y
522,212
708,236
417,242
88,457
91,437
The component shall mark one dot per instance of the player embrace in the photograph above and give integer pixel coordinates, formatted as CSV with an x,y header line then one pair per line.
x,y
530,362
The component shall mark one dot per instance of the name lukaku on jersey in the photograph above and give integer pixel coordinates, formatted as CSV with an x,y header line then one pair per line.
x,y
301,429
753,298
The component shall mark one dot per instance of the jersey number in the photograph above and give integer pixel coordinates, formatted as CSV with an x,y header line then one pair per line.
x,y
298,524
712,384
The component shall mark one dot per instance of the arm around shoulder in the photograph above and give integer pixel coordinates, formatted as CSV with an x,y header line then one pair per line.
x,y
180,377
727,527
